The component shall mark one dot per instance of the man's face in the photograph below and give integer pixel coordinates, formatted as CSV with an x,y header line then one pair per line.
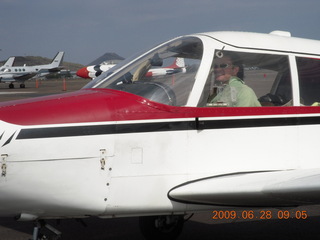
x,y
223,69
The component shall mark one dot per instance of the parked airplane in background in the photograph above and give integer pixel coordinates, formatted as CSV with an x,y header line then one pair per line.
x,y
160,148
177,67
11,74
95,71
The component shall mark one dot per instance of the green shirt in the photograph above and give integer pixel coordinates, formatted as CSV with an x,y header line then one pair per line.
x,y
237,94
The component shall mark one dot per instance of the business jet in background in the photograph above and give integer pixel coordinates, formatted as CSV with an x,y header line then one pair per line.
x,y
10,74
158,148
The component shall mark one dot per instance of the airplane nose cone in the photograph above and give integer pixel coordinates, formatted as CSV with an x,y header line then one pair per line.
x,y
83,72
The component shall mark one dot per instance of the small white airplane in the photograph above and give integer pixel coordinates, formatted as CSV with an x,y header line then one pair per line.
x,y
177,67
95,71
10,74
163,147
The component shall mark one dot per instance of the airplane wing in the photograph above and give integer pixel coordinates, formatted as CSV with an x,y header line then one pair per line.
x,y
261,189
50,70
56,69
24,76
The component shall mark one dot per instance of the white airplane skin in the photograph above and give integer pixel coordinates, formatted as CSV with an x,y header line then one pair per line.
x,y
160,147
11,74
8,63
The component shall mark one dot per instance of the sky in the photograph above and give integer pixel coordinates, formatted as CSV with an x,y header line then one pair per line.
x,y
86,30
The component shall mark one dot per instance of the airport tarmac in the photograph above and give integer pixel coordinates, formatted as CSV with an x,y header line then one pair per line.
x,y
249,224
200,226
37,88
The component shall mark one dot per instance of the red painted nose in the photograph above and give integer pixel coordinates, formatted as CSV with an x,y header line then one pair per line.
x,y
83,72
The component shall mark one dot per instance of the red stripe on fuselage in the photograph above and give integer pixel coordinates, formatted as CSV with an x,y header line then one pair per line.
x,y
102,105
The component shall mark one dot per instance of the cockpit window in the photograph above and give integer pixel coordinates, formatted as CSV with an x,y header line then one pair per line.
x,y
165,75
241,79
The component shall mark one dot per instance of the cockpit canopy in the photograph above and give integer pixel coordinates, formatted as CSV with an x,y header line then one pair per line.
x,y
165,75
182,72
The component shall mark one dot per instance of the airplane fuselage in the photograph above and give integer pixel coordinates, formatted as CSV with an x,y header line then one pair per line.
x,y
94,167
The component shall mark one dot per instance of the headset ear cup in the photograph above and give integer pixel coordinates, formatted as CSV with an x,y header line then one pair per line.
x,y
219,54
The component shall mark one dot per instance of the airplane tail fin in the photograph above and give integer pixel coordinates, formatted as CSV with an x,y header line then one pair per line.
x,y
9,62
57,59
178,63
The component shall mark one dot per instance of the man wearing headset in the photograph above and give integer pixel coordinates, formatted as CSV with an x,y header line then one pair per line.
x,y
234,93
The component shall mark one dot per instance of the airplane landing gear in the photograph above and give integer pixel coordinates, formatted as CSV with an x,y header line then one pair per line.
x,y
161,227
39,236
22,85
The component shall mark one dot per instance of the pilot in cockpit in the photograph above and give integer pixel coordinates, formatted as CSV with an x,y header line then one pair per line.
x,y
233,92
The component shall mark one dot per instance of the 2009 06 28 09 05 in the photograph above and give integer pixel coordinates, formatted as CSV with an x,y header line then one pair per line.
x,y
259,214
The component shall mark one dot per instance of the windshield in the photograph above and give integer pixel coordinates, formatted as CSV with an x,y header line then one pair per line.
x,y
165,75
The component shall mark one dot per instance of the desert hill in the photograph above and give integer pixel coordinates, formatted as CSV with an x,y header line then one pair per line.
x,y
106,57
